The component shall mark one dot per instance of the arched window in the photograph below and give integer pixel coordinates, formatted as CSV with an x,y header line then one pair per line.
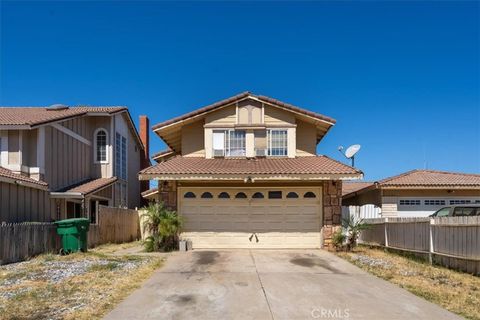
x,y
292,195
224,195
206,195
240,195
189,195
309,194
258,195
100,145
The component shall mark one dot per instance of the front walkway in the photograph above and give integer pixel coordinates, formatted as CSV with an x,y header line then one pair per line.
x,y
269,284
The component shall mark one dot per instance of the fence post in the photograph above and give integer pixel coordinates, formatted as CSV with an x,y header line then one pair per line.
x,y
431,249
386,233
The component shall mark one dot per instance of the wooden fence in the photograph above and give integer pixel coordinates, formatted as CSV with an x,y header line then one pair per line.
x,y
453,242
115,225
19,241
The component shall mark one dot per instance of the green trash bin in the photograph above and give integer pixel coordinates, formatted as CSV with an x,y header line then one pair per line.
x,y
74,234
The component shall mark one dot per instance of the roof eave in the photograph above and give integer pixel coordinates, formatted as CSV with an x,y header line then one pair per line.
x,y
251,177
67,195
24,183
436,187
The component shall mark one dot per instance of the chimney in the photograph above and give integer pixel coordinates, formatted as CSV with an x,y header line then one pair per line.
x,y
144,136
145,156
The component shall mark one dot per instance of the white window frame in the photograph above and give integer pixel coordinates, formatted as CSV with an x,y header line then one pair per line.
x,y
269,142
95,146
226,142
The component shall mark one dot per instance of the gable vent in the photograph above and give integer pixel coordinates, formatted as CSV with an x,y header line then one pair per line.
x,y
56,107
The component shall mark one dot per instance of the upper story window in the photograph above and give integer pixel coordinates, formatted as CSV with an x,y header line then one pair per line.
x,y
120,156
229,143
277,142
101,150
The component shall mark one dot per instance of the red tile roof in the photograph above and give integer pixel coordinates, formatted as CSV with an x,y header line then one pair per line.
x,y
431,178
38,115
320,165
149,192
90,186
6,173
350,186
162,153
238,97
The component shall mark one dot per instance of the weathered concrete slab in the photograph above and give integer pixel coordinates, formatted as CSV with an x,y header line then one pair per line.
x,y
269,284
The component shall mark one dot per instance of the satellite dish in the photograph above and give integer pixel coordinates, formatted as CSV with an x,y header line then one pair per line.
x,y
352,150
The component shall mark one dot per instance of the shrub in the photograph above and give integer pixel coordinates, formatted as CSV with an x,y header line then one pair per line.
x,y
338,239
164,227
353,229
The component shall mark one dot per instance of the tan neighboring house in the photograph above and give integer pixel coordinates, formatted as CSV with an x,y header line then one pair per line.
x,y
244,173
62,162
416,193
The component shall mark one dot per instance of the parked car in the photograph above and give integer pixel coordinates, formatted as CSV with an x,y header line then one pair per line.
x,y
468,210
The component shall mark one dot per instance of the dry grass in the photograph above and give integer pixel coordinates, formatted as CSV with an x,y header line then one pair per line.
x,y
29,290
454,291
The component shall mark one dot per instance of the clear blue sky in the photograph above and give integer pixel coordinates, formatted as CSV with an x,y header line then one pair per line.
x,y
401,78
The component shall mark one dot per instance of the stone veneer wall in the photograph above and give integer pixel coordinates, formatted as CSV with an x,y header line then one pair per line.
x,y
332,209
168,194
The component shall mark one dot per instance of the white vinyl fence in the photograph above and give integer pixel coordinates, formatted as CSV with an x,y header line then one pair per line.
x,y
453,242
368,211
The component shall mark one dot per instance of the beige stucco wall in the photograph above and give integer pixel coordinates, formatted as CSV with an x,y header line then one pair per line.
x,y
13,147
448,193
197,141
224,116
278,117
260,139
306,139
389,207
193,140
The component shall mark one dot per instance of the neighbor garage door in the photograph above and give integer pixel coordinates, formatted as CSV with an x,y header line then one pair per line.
x,y
252,218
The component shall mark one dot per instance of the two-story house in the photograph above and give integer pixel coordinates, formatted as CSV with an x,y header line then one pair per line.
x,y
244,173
62,162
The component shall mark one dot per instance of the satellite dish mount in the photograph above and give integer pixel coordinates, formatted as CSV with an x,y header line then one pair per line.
x,y
350,152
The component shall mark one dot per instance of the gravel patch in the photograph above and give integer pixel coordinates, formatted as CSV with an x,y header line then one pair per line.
x,y
56,271
371,262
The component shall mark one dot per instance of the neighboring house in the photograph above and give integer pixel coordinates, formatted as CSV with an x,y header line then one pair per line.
x,y
416,193
365,211
244,173
63,162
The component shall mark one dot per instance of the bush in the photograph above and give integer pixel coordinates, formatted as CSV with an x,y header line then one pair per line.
x,y
353,229
164,227
338,239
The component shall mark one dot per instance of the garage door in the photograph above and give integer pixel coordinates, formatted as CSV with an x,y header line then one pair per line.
x,y
251,218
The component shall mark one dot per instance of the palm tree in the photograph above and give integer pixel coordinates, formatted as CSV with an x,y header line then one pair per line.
x,y
353,229
162,225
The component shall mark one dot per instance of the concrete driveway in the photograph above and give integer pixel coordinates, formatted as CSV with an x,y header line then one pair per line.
x,y
269,284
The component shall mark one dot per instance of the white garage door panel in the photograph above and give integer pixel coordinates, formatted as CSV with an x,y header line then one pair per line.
x,y
230,223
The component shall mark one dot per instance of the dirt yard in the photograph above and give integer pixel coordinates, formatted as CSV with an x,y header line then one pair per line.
x,y
455,291
78,286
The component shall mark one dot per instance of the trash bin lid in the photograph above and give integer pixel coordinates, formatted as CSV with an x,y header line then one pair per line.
x,y
73,221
